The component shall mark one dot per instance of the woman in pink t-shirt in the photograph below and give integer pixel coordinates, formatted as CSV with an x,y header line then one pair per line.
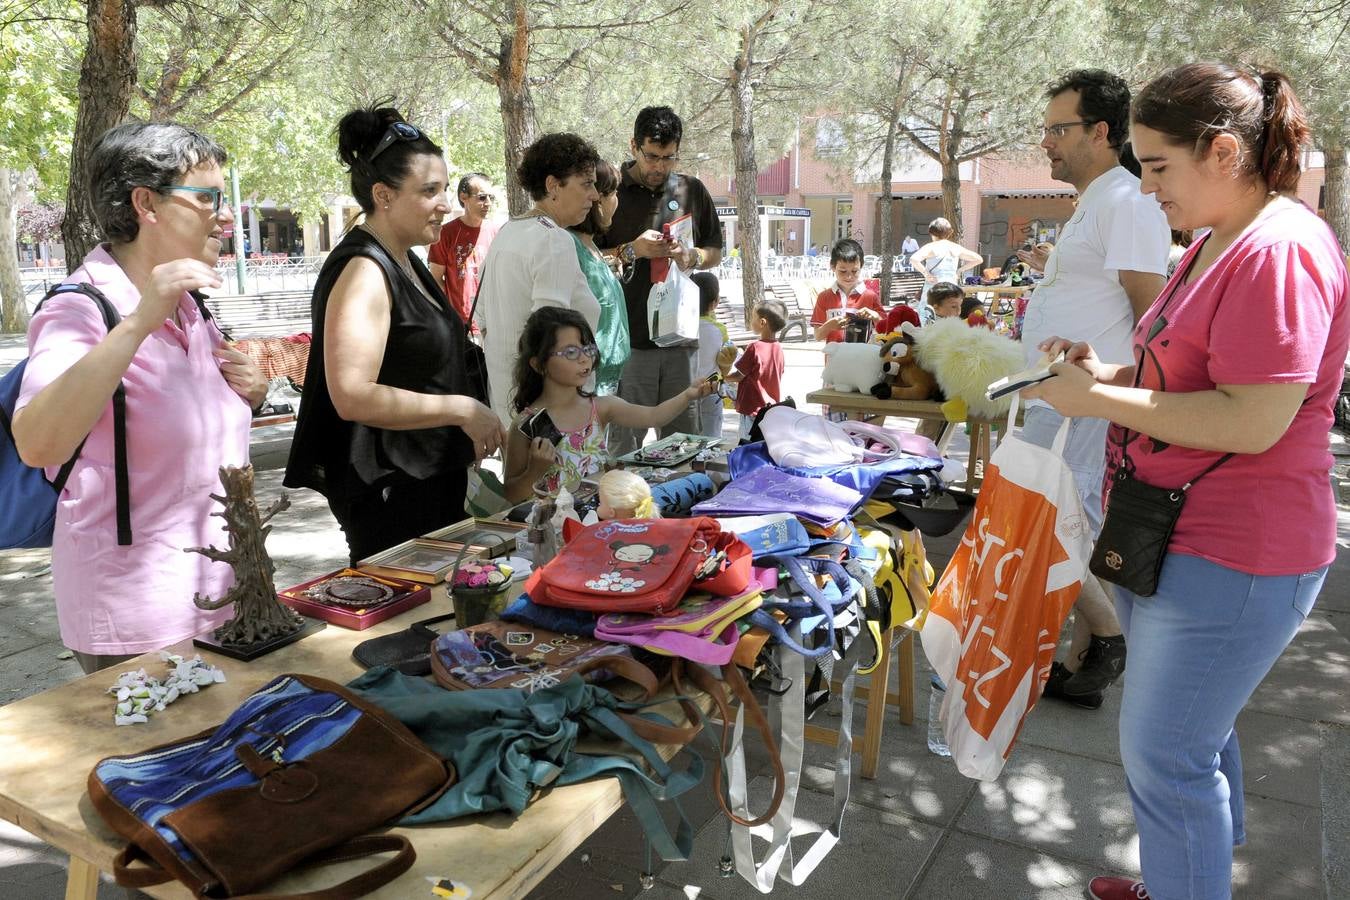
x,y
1237,364
158,195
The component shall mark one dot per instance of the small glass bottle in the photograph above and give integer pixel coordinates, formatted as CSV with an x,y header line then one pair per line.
x,y
937,741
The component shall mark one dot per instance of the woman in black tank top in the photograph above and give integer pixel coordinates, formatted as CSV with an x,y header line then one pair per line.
x,y
392,413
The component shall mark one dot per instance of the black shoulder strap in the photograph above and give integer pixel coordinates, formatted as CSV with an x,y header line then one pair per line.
x,y
200,299
119,403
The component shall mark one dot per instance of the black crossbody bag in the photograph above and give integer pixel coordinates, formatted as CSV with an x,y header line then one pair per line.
x,y
1140,517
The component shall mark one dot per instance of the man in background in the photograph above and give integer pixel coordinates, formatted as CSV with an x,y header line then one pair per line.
x,y
1106,269
457,257
651,194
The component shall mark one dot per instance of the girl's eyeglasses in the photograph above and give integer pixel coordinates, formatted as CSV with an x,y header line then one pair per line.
x,y
216,194
572,352
397,131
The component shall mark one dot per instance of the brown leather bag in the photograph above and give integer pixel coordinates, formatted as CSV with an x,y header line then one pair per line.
x,y
295,777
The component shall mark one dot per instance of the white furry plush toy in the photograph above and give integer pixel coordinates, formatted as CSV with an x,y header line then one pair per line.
x,y
851,367
965,360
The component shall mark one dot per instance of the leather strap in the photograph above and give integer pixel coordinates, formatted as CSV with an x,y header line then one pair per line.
x,y
749,706
357,886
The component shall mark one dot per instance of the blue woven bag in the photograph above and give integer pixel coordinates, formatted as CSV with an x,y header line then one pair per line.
x,y
296,774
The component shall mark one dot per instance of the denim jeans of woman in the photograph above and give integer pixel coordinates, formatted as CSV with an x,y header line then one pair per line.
x,y
1198,649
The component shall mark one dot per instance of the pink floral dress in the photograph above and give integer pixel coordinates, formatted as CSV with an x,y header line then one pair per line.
x,y
580,454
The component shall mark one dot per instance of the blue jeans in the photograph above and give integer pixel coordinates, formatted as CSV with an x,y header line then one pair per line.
x,y
1198,649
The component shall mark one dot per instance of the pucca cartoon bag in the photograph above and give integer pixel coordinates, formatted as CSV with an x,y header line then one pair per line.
x,y
642,565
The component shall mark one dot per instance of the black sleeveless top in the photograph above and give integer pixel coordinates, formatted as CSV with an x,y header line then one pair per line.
x,y
428,351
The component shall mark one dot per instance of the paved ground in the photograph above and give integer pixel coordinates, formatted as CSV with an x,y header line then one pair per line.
x,y
1058,814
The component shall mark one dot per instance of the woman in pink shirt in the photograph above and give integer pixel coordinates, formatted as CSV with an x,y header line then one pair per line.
x,y
1237,365
158,195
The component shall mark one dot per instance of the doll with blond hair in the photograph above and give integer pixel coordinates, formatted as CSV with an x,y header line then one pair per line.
x,y
624,495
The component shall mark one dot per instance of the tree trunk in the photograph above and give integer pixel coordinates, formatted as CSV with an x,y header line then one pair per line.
x,y
747,175
951,195
1337,201
887,236
517,104
13,305
107,79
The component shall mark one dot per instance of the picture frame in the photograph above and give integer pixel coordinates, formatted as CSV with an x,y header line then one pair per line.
x,y
421,560
405,595
457,533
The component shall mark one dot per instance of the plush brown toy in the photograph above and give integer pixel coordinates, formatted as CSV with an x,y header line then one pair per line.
x,y
901,377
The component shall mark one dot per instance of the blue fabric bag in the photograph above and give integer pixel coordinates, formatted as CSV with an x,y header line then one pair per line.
x,y
781,535
861,477
675,498
27,498
550,618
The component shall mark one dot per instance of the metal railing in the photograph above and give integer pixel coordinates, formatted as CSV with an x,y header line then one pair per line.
x,y
263,275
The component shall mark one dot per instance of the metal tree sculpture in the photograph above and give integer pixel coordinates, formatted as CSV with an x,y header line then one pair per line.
x,y
258,615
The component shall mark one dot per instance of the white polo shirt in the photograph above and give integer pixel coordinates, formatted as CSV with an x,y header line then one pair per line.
x,y
1115,228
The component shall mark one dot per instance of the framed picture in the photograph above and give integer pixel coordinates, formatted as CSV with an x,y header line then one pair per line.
x,y
489,537
421,560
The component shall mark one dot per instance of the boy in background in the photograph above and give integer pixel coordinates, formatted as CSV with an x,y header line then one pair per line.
x,y
716,353
946,298
847,296
759,371
972,310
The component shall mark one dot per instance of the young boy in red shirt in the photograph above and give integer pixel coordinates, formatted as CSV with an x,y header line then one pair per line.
x,y
848,296
759,372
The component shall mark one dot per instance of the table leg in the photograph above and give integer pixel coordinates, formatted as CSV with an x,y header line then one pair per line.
x,y
906,666
81,880
878,682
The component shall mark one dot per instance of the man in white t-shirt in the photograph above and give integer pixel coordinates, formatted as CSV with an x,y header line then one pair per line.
x,y
1106,269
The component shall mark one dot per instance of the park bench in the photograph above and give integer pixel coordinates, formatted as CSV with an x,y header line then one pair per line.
x,y
733,319
799,319
273,329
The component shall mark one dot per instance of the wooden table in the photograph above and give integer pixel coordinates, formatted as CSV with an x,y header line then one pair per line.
x,y
52,740
981,430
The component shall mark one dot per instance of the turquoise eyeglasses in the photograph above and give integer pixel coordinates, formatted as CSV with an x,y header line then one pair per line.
x,y
216,194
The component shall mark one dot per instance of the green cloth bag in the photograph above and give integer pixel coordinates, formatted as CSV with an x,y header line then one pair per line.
x,y
506,743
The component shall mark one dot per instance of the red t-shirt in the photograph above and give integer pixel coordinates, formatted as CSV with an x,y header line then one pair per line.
x,y
830,299
900,314
1270,310
461,250
762,365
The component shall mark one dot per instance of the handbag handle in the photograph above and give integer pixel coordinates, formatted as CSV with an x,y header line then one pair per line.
x,y
351,889
717,690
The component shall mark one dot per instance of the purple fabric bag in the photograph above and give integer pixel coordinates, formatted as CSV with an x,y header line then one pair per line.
x,y
771,490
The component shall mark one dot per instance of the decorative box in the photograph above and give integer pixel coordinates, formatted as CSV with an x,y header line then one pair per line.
x,y
354,599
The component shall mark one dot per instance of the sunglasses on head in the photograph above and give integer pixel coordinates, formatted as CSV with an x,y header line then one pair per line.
x,y
572,352
397,131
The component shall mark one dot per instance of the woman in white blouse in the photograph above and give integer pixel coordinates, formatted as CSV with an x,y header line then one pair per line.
x,y
533,260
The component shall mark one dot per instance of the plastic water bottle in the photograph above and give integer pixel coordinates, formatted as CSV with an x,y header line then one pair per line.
x,y
937,741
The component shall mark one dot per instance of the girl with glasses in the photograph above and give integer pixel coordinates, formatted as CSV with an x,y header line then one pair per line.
x,y
557,354
119,591
1237,366
393,410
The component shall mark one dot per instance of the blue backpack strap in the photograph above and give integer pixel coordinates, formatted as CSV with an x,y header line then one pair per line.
x,y
111,318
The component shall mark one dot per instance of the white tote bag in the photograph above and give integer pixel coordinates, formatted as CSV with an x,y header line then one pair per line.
x,y
672,310
802,440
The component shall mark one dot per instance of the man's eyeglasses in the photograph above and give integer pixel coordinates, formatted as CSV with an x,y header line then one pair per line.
x,y
397,131
657,159
481,198
572,352
216,194
1062,128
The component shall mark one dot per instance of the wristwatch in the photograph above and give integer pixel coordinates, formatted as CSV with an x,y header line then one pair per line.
x,y
628,253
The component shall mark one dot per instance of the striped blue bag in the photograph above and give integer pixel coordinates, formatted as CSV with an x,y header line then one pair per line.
x,y
296,776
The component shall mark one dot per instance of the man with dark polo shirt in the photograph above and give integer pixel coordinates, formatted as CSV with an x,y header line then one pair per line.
x,y
654,374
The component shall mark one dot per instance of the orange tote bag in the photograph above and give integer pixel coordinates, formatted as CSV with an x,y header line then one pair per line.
x,y
997,610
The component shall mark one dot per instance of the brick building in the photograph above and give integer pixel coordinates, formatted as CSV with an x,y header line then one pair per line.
x,y
1005,198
